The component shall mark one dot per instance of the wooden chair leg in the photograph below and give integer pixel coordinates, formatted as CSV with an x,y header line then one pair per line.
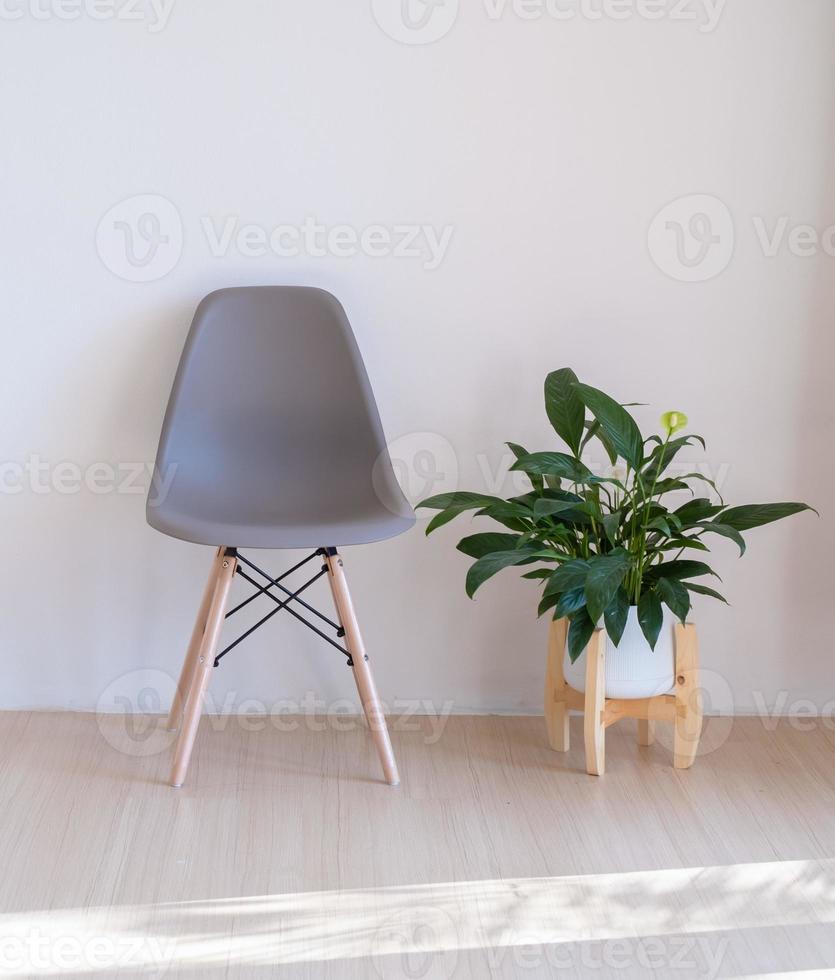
x,y
688,697
594,730
556,709
362,671
646,731
175,716
203,669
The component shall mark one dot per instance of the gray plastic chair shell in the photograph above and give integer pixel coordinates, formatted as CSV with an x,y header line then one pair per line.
x,y
272,438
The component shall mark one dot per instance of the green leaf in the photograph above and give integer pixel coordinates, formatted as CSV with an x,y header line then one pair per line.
x,y
547,602
611,524
568,576
444,517
457,498
705,479
580,631
605,575
549,494
617,423
660,524
616,615
479,545
676,544
660,441
554,464
519,451
538,573
704,590
515,507
665,453
596,432
565,407
451,505
662,456
607,480
488,565
668,485
676,596
547,508
509,513
698,509
726,532
755,515
570,602
650,616
682,568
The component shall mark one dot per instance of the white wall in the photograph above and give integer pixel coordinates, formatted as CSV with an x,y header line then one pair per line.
x,y
548,146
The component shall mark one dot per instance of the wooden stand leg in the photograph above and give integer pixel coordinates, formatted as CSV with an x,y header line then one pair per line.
x,y
203,669
175,716
556,709
688,697
594,730
362,671
646,731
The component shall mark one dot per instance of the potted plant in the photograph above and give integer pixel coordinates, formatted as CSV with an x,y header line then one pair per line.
x,y
608,550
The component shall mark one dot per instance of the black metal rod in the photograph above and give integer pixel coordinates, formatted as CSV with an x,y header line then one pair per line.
x,y
283,604
276,582
243,636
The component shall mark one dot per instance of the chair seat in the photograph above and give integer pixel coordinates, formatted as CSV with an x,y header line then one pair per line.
x,y
331,529
272,438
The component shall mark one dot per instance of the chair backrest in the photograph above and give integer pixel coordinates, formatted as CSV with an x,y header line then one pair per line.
x,y
271,417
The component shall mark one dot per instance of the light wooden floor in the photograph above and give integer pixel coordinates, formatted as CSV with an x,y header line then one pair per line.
x,y
284,856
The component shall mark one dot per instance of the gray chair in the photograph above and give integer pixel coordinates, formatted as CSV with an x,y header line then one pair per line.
x,y
272,439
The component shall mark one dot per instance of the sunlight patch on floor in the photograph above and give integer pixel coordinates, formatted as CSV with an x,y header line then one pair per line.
x,y
419,920
785,975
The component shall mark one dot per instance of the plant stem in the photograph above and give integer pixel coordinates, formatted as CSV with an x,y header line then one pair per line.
x,y
641,551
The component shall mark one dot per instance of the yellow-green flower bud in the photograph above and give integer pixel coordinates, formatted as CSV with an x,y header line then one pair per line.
x,y
673,421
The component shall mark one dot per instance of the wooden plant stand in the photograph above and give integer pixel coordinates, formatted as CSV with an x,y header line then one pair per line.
x,y
683,709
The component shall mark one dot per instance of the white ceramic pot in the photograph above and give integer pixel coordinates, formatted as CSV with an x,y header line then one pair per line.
x,y
633,670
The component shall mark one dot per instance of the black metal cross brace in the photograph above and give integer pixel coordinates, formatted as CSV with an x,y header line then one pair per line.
x,y
283,603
